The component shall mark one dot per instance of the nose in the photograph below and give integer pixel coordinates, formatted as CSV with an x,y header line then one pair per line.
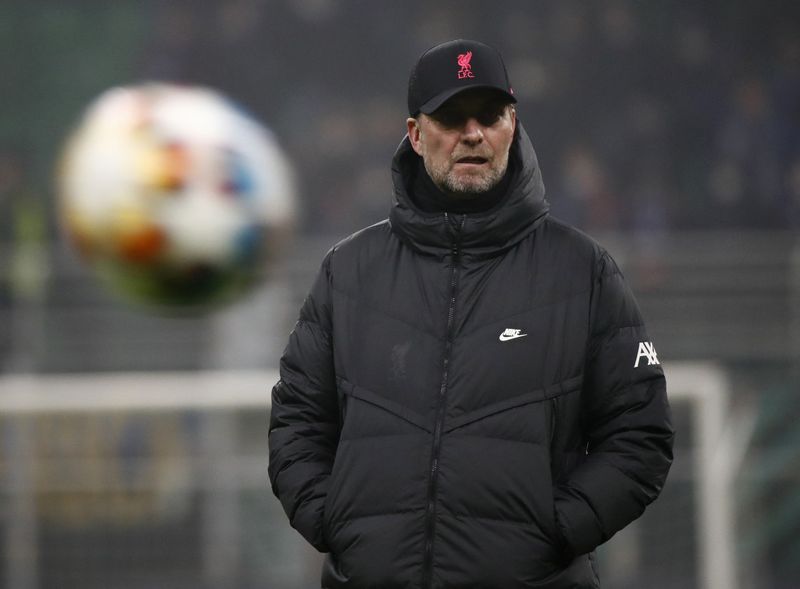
x,y
472,133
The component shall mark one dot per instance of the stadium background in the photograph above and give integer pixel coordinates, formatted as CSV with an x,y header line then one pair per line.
x,y
670,131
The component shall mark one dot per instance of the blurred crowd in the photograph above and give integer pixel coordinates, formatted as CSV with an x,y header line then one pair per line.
x,y
647,117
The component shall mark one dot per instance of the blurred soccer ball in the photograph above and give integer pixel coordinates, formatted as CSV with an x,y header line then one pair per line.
x,y
174,195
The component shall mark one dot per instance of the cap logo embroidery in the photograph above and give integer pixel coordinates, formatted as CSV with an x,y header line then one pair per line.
x,y
464,63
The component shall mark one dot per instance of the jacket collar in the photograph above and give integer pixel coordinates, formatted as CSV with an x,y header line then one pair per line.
x,y
483,234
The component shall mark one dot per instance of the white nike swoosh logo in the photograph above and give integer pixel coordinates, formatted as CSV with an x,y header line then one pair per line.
x,y
505,338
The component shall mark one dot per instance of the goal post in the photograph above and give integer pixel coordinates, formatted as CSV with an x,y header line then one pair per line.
x,y
135,391
718,453
221,471
224,467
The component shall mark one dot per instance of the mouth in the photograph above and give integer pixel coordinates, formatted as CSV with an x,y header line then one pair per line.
x,y
473,160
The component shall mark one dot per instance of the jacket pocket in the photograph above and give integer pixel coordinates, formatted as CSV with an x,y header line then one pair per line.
x,y
577,574
332,575
385,404
335,480
553,391
379,441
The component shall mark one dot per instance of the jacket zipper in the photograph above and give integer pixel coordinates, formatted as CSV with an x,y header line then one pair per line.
x,y
430,514
553,422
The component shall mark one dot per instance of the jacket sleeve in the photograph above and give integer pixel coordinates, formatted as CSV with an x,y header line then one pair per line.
x,y
304,419
625,420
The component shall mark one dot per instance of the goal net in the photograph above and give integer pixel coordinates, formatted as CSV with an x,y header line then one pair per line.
x,y
158,480
685,540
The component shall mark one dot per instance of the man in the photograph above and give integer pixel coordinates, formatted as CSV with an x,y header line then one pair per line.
x,y
464,401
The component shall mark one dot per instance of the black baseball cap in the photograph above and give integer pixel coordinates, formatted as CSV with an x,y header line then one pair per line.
x,y
452,67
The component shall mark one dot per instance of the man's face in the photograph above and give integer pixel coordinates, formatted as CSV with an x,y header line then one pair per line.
x,y
464,144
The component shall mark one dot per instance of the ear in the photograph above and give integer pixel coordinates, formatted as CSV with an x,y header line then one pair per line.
x,y
414,133
513,115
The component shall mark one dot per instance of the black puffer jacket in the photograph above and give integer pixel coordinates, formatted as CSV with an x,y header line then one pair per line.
x,y
468,401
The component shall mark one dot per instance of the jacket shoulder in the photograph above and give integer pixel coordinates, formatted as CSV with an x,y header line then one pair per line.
x,y
564,242
363,237
359,248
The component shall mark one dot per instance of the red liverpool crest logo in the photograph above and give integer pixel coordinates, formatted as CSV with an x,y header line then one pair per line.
x,y
464,63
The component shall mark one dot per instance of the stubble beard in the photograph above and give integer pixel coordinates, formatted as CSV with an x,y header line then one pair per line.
x,y
466,185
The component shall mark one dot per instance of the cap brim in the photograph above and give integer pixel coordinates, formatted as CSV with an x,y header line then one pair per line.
x,y
431,105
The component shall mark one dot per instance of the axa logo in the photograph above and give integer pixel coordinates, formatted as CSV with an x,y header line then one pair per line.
x,y
510,333
647,351
464,60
